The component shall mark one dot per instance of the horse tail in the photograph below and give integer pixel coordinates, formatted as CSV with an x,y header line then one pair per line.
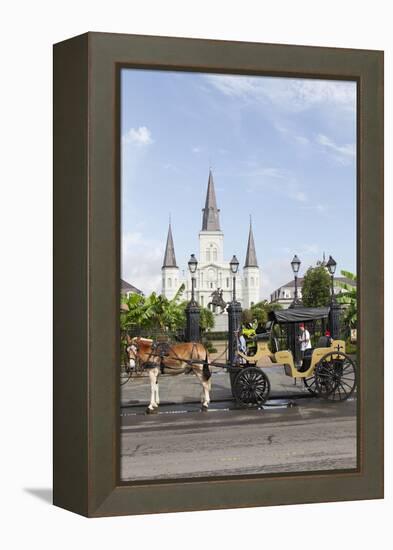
x,y
206,372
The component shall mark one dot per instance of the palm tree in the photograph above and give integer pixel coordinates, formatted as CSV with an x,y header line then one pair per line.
x,y
153,312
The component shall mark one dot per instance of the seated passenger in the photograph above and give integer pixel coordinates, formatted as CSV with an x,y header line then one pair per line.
x,y
329,338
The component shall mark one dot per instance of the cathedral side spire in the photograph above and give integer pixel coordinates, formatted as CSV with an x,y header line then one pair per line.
x,y
251,256
169,256
211,219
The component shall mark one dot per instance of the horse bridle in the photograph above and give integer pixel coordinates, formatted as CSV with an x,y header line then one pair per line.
x,y
132,352
134,349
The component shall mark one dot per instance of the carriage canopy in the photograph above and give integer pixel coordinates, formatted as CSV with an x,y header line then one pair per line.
x,y
299,314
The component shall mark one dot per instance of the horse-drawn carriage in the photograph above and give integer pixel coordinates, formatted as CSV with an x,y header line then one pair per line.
x,y
326,370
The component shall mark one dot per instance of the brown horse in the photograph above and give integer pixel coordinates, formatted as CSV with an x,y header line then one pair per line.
x,y
170,359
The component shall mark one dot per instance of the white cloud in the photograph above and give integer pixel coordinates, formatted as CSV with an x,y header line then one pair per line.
x,y
292,94
343,153
196,150
269,172
141,261
267,177
138,136
318,207
301,139
291,135
295,192
172,168
307,92
232,85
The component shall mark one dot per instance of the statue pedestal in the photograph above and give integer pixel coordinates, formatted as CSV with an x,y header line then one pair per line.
x,y
220,322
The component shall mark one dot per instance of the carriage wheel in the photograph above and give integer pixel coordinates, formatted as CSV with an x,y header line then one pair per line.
x,y
251,387
335,376
125,374
310,384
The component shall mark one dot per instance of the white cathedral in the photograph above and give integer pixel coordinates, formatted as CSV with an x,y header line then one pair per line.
x,y
213,271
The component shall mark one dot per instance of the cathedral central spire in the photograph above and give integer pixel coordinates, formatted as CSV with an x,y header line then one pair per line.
x,y
169,256
251,256
211,219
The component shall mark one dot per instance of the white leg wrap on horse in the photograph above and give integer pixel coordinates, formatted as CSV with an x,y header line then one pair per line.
x,y
206,384
153,385
206,393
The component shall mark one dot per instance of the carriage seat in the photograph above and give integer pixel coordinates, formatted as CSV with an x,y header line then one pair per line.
x,y
323,342
306,360
262,336
275,345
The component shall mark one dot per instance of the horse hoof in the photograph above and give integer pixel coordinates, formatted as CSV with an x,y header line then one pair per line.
x,y
204,409
151,411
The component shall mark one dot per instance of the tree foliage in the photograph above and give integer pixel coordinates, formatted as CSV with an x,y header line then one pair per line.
x,y
348,297
316,287
206,319
258,313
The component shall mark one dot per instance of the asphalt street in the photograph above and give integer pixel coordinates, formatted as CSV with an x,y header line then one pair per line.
x,y
185,388
182,442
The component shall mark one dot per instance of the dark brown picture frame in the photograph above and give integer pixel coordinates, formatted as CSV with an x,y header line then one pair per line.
x,y
87,273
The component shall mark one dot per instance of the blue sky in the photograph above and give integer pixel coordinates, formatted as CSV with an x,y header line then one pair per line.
x,y
282,150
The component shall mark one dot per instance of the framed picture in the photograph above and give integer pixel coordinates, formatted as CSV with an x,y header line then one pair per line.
x,y
218,215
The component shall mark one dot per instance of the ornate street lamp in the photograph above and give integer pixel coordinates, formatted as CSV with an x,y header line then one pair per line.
x,y
293,328
334,316
193,311
234,310
234,266
331,265
192,266
295,264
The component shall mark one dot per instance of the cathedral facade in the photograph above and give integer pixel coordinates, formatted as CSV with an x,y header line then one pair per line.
x,y
213,272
